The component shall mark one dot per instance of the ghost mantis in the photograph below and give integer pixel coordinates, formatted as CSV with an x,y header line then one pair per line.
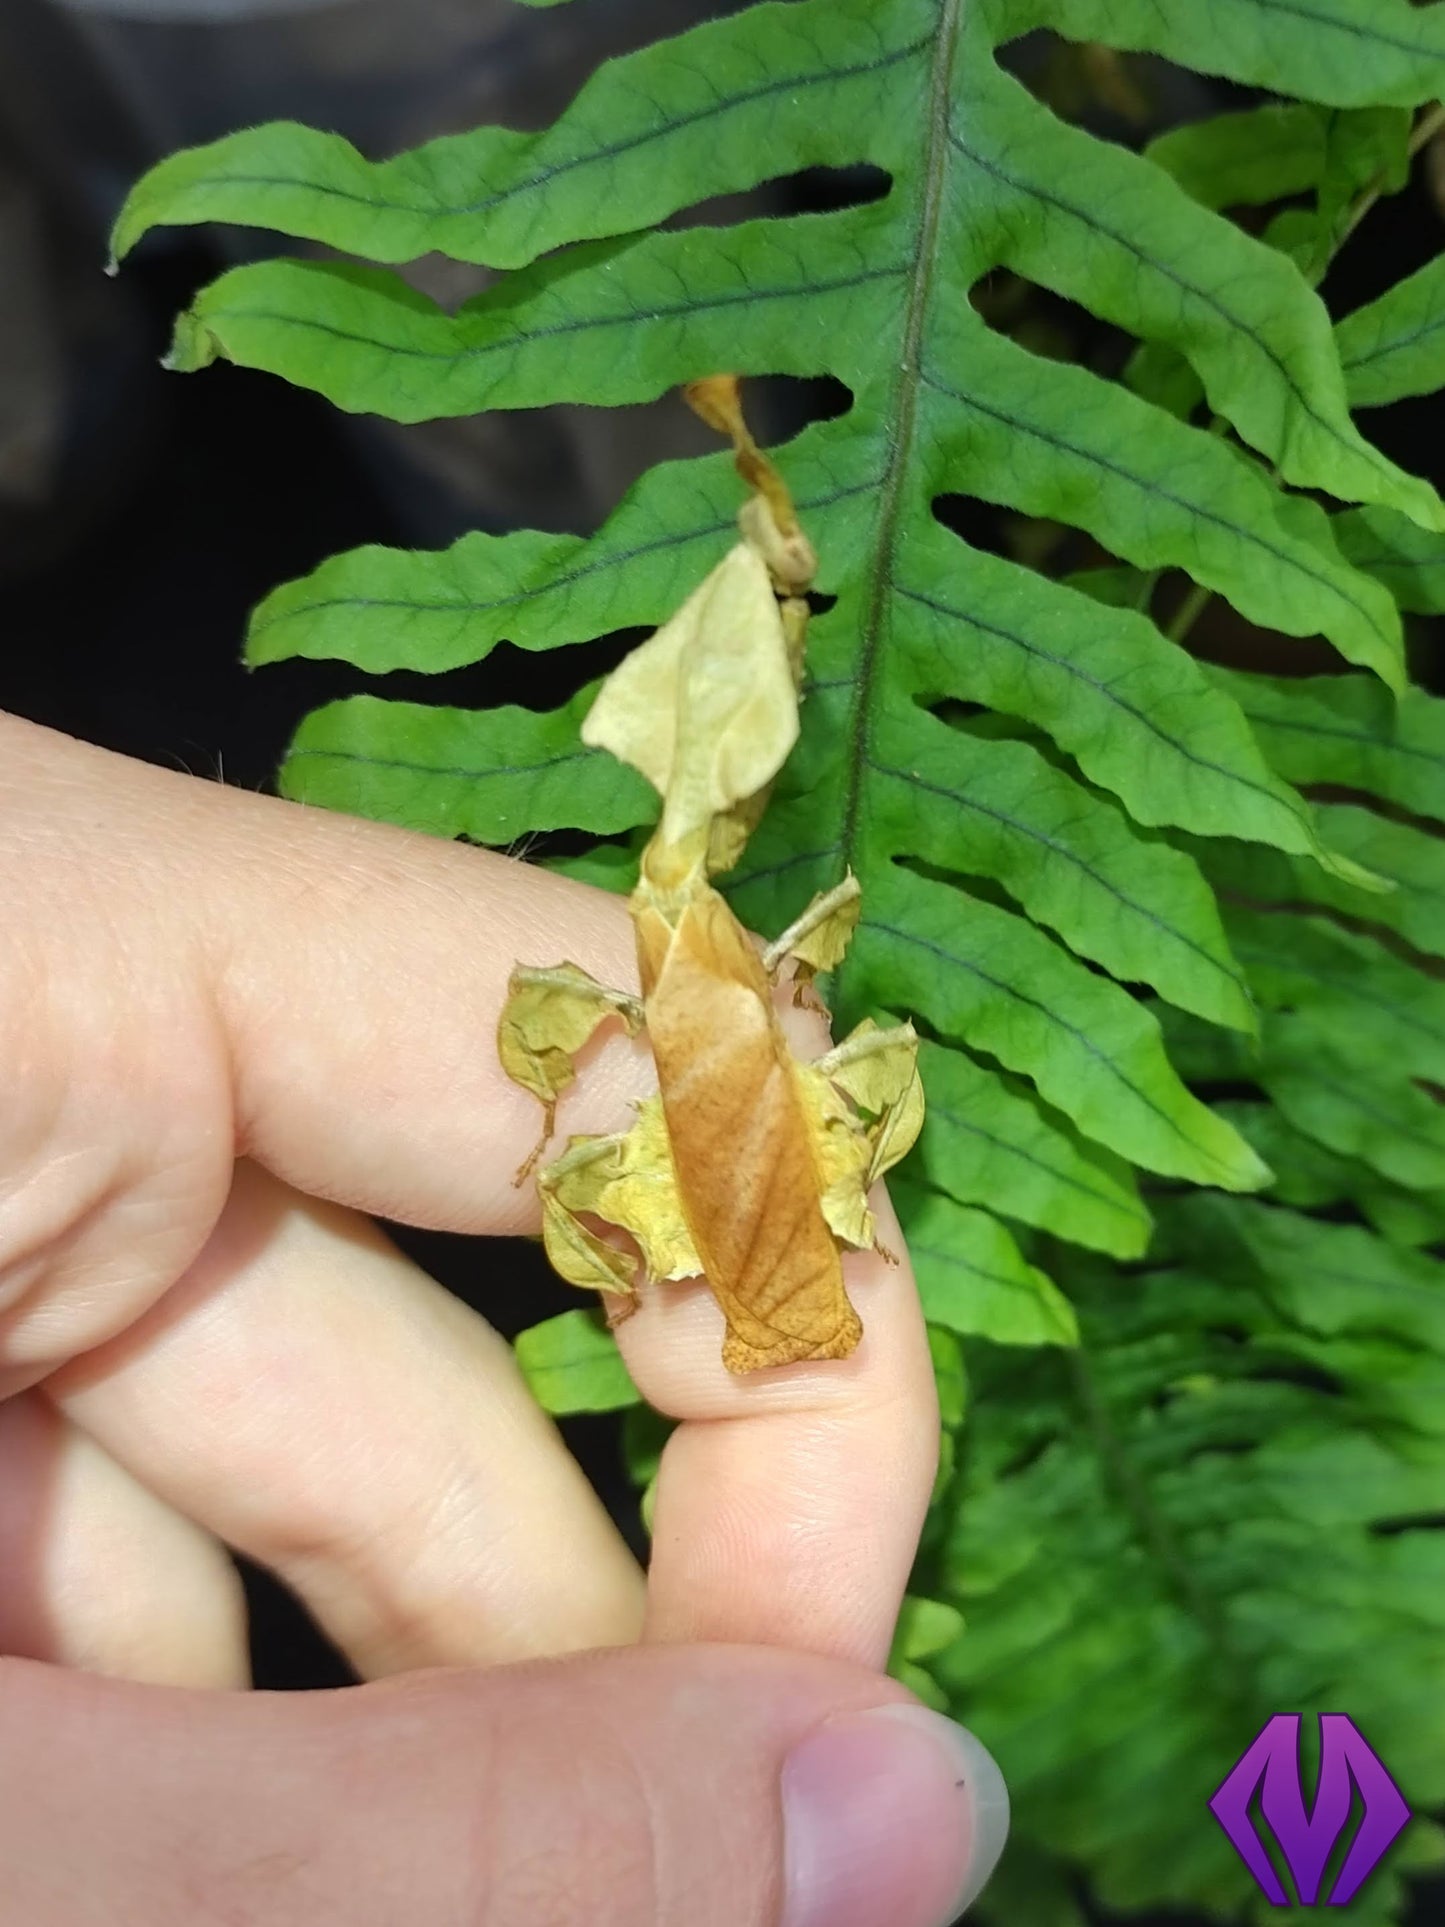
x,y
748,1166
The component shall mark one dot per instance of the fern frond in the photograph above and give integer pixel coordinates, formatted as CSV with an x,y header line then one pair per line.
x,y
1235,1492
596,310
1203,1516
1134,941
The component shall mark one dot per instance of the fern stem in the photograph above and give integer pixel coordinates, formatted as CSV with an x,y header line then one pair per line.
x,y
891,492
1424,131
1189,611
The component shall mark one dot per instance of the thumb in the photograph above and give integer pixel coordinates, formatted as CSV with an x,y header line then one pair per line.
x,y
698,1786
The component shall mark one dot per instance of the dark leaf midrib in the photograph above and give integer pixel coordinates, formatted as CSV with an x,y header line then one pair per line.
x,y
920,288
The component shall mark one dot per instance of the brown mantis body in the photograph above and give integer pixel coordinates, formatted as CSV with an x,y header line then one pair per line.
x,y
732,1105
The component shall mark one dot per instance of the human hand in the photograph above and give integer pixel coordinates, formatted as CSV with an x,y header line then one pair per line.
x,y
195,1351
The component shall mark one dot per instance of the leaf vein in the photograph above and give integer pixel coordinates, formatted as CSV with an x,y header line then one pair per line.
x,y
1180,281
1071,668
1081,1037
1063,851
610,151
1147,487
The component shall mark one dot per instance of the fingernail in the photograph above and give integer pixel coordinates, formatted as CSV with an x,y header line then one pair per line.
x,y
895,1814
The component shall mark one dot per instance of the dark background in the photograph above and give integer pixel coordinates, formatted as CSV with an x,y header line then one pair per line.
x,y
142,515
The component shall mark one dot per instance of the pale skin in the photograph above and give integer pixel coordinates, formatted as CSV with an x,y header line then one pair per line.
x,y
231,1027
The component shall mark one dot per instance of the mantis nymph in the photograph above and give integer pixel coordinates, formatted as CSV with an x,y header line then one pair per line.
x,y
748,1166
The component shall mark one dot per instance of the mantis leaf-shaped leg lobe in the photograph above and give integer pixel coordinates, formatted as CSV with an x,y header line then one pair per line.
x,y
817,940
575,1252
741,1146
550,1014
879,1071
626,1180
